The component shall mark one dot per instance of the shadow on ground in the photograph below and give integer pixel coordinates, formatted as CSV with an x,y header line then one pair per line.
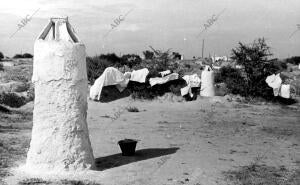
x,y
111,93
111,161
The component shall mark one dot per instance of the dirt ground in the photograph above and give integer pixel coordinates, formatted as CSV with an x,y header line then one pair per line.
x,y
202,142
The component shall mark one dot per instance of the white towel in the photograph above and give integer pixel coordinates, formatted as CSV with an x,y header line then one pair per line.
x,y
186,90
192,80
139,75
274,81
158,80
285,91
164,73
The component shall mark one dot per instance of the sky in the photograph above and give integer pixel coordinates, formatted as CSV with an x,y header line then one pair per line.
x,y
163,24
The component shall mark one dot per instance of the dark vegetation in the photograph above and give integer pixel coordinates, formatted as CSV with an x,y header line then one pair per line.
x,y
256,66
156,61
1,56
293,60
1,67
12,100
132,109
249,81
25,55
258,174
33,181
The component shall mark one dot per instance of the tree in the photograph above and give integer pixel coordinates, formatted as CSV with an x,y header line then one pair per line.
x,y
256,67
1,56
148,54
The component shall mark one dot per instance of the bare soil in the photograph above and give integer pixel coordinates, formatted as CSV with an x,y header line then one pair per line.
x,y
207,141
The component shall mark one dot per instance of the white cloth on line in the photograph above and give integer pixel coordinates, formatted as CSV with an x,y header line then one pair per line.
x,y
139,75
165,73
163,80
193,80
285,91
186,90
110,76
274,81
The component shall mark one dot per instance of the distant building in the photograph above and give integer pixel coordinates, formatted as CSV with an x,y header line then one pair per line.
x,y
216,59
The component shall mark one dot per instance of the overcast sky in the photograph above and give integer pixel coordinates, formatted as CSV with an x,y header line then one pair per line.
x,y
162,24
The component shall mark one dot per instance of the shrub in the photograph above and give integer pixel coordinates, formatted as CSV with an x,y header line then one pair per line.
x,y
233,79
112,58
148,54
256,68
12,100
1,67
132,109
30,92
18,56
27,55
293,60
95,67
131,60
1,56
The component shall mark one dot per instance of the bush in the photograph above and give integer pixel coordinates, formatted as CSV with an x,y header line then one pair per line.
x,y
1,67
95,67
131,60
132,109
27,55
1,56
18,56
148,54
12,100
112,58
256,68
293,60
233,79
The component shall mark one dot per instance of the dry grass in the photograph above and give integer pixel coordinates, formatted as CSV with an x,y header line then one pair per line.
x,y
11,149
132,109
37,181
260,174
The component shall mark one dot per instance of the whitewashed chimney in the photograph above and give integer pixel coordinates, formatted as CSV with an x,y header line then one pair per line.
x,y
60,137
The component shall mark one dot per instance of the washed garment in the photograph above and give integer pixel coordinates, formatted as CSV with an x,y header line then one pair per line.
x,y
276,91
191,81
127,75
139,75
274,81
163,80
186,90
165,73
110,76
285,91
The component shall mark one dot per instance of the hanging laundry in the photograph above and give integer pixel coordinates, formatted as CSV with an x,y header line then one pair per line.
x,y
139,75
165,73
274,81
163,80
285,91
